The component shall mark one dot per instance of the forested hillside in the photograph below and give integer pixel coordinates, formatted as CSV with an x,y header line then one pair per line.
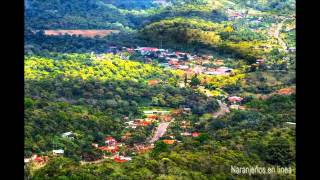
x,y
179,89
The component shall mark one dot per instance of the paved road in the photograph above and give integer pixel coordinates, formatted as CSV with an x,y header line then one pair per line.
x,y
161,129
223,109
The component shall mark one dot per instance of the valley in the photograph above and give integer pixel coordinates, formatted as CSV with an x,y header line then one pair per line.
x,y
170,89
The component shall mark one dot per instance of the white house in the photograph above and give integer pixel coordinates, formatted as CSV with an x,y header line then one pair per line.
x,y
67,134
58,151
27,160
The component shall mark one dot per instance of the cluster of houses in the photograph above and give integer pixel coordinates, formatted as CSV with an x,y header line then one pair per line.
x,y
140,148
138,122
171,140
112,146
190,64
193,134
40,160
150,116
36,159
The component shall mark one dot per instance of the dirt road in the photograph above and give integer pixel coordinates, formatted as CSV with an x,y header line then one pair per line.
x,y
94,162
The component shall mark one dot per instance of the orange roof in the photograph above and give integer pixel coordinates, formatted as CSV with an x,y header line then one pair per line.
x,y
285,91
152,82
152,116
166,118
167,141
109,148
145,123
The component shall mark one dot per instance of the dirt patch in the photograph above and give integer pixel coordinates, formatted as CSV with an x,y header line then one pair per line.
x,y
84,33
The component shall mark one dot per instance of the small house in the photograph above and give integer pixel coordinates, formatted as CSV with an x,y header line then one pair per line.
x,y
234,99
260,61
195,134
168,141
292,49
144,123
58,152
121,159
40,160
152,116
67,134
27,160
110,141
187,109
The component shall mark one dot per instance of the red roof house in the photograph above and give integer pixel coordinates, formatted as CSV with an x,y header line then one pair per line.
x,y
39,160
121,159
144,123
234,99
195,134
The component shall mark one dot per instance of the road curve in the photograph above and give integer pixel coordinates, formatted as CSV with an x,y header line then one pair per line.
x,y
161,130
223,109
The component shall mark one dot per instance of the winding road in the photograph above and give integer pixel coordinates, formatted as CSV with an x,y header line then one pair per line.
x,y
223,110
161,130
